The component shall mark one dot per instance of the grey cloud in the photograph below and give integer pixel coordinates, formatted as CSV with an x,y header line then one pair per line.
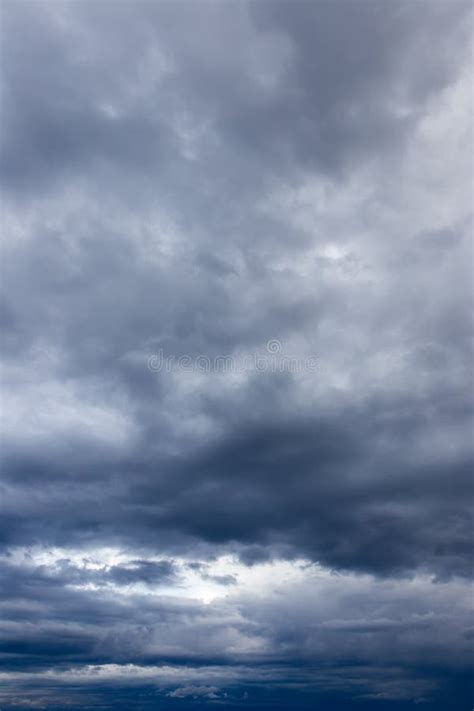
x,y
333,97
210,692
323,634
349,491
220,579
143,571
202,178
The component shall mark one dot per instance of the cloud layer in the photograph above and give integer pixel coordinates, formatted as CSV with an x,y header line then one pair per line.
x,y
201,179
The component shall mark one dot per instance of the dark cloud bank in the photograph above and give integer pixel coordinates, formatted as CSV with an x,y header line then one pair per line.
x,y
199,179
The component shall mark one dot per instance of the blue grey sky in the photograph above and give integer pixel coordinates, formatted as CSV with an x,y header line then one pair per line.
x,y
275,197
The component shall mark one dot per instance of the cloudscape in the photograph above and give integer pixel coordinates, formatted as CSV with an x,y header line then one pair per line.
x,y
237,380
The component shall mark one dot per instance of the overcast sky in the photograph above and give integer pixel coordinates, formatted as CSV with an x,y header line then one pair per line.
x,y
237,406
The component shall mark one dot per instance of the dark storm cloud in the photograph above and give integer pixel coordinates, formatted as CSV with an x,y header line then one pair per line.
x,y
348,491
315,486
199,179
354,480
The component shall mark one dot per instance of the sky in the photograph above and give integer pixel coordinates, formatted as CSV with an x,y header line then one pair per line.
x,y
236,444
